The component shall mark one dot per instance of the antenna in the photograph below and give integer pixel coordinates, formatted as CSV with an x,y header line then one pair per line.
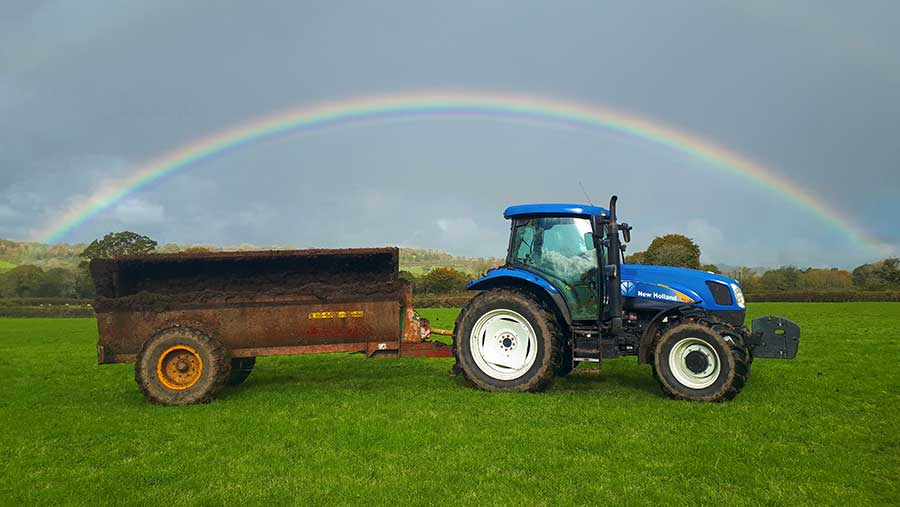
x,y
585,193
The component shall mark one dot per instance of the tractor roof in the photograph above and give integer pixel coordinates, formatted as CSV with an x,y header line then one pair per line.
x,y
555,209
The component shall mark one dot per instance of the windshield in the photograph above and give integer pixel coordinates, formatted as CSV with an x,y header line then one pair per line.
x,y
563,248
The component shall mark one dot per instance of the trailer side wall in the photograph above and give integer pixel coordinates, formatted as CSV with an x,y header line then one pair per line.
x,y
256,303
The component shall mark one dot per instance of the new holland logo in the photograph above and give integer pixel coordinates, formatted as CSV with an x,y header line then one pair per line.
x,y
657,295
627,287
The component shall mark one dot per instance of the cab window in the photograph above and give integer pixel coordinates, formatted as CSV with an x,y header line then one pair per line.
x,y
562,249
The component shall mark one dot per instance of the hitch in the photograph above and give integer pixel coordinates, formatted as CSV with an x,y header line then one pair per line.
x,y
774,338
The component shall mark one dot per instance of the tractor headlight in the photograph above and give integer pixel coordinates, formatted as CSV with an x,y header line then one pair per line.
x,y
738,295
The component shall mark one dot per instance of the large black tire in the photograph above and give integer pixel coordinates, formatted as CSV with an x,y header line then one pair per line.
x,y
181,365
517,304
698,361
241,367
738,336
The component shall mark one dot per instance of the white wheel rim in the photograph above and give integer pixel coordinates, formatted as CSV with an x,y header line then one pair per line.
x,y
694,363
503,344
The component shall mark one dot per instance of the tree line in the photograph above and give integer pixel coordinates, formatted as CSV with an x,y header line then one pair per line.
x,y
438,280
680,251
70,279
29,280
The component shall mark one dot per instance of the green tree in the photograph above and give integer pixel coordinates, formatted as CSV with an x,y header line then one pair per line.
x,y
21,281
83,284
196,249
867,277
890,272
748,279
878,276
115,244
55,282
673,250
781,279
442,280
825,279
635,258
712,268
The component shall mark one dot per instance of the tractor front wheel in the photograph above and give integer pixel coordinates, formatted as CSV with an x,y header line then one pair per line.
x,y
693,361
505,340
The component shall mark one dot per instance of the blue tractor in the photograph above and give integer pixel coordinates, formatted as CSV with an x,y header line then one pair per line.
x,y
564,297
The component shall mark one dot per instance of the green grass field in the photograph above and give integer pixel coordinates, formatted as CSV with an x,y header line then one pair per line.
x,y
341,429
6,266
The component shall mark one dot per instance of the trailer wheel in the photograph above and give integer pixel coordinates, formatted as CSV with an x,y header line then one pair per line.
x,y
240,370
693,361
504,340
181,365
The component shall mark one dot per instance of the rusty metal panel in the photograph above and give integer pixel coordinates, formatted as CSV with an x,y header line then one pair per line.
x,y
425,349
412,330
242,327
300,349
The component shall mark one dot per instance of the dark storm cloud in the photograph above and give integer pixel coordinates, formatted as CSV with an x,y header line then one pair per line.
x,y
90,90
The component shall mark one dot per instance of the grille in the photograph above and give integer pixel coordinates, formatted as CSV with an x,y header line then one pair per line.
x,y
721,293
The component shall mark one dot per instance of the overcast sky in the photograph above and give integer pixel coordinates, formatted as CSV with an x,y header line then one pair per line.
x,y
92,90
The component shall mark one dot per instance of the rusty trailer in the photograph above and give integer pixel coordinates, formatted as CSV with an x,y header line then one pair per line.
x,y
193,323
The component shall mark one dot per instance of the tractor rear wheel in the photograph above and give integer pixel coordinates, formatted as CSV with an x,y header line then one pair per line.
x,y
241,367
694,361
505,340
181,365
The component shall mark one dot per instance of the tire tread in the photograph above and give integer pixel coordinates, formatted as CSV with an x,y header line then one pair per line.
x,y
546,374
739,359
218,356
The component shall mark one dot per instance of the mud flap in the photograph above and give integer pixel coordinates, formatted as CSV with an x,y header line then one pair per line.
x,y
774,337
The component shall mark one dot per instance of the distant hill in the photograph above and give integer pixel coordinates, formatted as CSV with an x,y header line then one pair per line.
x,y
419,261
16,253
415,260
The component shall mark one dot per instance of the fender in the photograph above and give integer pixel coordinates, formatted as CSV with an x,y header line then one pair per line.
x,y
512,277
650,333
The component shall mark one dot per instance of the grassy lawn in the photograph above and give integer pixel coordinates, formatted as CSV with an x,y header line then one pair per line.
x,y
6,266
341,429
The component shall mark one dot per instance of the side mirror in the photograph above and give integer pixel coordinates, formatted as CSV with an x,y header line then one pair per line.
x,y
589,241
626,232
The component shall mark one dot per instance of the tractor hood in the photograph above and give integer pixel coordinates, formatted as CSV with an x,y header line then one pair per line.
x,y
680,285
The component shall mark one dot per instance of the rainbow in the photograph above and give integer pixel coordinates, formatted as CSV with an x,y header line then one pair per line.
x,y
374,108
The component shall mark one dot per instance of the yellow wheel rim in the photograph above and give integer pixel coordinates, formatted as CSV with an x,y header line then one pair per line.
x,y
179,367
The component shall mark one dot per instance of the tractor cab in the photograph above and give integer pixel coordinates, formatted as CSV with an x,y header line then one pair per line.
x,y
572,252
557,241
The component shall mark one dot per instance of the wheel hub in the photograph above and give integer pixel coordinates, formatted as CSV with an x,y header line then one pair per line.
x,y
179,368
507,342
696,361
503,344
